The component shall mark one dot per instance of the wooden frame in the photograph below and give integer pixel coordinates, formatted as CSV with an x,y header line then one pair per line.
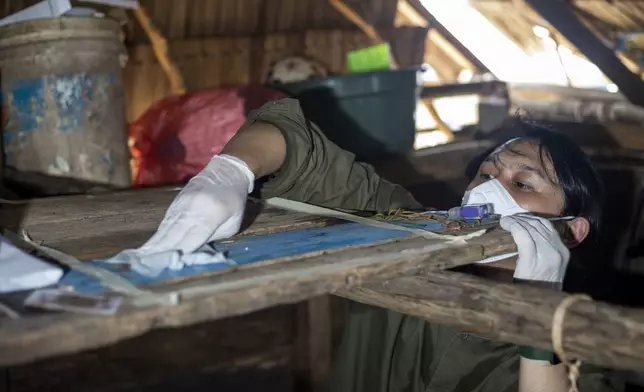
x,y
105,222
411,273
418,286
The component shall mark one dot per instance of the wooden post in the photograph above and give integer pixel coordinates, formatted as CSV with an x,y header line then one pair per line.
x,y
314,343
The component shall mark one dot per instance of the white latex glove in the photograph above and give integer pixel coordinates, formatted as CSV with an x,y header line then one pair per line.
x,y
542,254
152,264
210,207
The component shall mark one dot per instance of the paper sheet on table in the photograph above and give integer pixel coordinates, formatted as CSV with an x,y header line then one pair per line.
x,y
22,271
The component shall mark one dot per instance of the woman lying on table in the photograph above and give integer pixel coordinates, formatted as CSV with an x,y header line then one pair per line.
x,y
541,172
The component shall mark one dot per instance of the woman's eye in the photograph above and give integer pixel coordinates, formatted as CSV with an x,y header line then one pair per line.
x,y
522,185
485,176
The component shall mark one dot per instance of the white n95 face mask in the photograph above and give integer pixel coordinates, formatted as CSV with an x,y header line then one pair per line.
x,y
493,192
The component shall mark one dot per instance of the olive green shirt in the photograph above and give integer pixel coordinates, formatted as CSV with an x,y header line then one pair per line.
x,y
382,350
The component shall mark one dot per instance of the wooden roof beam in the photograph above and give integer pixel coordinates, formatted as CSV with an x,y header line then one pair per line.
x,y
358,20
442,36
444,45
407,15
563,18
598,26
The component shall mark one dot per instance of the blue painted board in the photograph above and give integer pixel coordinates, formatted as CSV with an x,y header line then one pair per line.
x,y
252,249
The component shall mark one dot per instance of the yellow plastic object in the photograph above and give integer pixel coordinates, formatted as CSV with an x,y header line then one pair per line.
x,y
373,58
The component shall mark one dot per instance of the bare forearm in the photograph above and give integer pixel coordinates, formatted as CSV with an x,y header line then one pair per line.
x,y
261,146
541,376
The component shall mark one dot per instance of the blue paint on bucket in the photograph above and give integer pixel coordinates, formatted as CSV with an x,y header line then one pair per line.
x,y
106,161
66,97
71,93
26,105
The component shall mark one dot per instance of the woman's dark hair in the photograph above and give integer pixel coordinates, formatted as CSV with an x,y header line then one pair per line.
x,y
581,185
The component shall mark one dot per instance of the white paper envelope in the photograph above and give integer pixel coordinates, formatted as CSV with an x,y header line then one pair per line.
x,y
22,271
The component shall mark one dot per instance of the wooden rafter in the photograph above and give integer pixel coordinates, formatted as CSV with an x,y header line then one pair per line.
x,y
160,47
408,15
358,20
446,47
452,40
598,26
562,16
530,17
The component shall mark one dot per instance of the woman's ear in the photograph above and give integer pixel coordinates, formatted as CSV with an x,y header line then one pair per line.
x,y
578,230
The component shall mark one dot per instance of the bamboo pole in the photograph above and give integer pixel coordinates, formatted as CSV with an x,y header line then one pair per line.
x,y
372,33
160,47
597,332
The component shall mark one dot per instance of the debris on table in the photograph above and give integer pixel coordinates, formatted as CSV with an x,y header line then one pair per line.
x,y
65,300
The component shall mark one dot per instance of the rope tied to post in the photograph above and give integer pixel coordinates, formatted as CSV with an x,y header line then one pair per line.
x,y
573,365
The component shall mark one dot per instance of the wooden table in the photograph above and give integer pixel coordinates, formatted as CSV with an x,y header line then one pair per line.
x,y
101,225
404,274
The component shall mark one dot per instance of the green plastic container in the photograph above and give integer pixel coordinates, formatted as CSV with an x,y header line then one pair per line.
x,y
371,59
370,114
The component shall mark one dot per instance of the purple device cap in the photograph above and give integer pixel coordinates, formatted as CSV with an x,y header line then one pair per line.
x,y
476,211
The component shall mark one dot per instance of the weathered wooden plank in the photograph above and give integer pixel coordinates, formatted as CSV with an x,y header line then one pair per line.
x,y
240,292
603,334
224,350
227,351
100,225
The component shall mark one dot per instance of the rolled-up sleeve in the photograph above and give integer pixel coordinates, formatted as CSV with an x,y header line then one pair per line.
x,y
319,172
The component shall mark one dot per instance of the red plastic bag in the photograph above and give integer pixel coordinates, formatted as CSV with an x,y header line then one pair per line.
x,y
176,137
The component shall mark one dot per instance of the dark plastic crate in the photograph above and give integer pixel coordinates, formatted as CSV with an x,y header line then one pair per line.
x,y
371,114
